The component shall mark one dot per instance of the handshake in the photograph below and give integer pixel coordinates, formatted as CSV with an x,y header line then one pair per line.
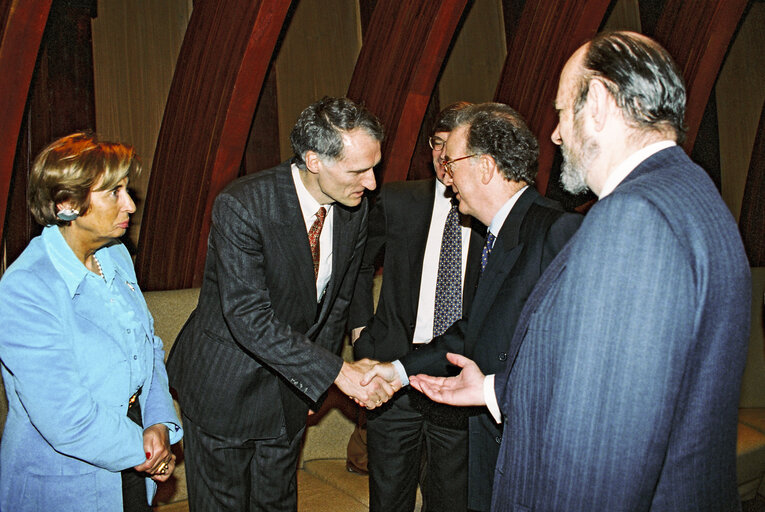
x,y
371,383
368,382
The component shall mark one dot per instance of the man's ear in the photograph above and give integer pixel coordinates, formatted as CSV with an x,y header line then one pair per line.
x,y
312,161
488,168
598,103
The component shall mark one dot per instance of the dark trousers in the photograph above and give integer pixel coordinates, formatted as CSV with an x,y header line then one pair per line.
x,y
399,439
240,475
134,497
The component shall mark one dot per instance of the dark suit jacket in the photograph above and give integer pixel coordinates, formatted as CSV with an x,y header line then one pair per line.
x,y
624,393
399,224
257,351
533,233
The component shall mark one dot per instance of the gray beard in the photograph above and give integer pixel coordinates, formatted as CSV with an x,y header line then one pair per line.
x,y
572,173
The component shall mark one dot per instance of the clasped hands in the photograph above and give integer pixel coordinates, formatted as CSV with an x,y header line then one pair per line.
x,y
368,382
371,383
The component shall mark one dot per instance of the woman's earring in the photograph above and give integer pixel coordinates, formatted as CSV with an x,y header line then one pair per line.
x,y
67,214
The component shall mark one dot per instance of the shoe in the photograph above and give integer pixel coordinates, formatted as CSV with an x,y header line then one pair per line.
x,y
353,468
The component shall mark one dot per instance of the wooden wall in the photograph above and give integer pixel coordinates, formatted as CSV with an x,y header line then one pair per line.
x,y
135,47
489,44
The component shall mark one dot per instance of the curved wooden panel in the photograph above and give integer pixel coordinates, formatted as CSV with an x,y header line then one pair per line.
x,y
215,89
23,23
697,35
548,33
404,48
752,221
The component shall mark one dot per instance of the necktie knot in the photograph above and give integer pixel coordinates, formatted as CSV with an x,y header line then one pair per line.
x,y
313,238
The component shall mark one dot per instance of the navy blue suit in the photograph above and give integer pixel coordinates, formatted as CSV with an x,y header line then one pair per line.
x,y
533,233
630,350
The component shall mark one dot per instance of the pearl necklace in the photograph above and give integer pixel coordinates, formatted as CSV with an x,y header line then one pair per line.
x,y
100,270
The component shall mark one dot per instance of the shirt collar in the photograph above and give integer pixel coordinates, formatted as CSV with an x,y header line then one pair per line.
x,y
308,205
501,215
630,163
71,269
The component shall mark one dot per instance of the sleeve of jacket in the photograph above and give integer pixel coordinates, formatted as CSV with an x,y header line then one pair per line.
x,y
431,358
36,350
247,308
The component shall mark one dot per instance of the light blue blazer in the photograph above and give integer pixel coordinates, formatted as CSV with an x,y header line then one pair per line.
x,y
69,374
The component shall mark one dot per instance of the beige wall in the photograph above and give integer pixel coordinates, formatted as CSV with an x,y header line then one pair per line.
x,y
740,94
476,60
135,48
316,59
624,16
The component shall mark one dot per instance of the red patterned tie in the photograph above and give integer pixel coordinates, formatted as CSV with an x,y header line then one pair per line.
x,y
313,239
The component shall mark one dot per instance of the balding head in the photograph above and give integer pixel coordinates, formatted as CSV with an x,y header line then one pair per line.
x,y
640,75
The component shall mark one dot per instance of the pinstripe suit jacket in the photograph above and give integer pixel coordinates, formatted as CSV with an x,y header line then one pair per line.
x,y
624,391
257,351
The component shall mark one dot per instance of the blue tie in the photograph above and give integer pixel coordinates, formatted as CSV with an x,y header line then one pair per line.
x,y
487,249
448,304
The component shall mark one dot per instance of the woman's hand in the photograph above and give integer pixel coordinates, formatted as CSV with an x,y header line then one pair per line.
x,y
160,461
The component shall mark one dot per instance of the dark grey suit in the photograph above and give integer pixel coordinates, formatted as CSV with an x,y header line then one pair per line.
x,y
400,430
535,230
258,350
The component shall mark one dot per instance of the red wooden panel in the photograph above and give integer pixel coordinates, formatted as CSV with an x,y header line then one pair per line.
x,y
218,79
22,29
548,33
404,48
752,220
697,35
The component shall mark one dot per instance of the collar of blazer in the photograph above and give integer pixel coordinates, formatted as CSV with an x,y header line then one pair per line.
x,y
507,248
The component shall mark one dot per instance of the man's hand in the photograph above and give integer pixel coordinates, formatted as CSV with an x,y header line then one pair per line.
x,y
372,394
385,371
463,389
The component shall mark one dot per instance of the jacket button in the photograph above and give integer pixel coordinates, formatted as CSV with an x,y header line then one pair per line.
x,y
498,439
503,356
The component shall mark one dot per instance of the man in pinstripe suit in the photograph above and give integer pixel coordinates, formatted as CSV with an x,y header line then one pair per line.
x,y
262,346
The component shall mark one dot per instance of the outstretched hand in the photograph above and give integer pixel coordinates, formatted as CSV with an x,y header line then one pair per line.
x,y
463,389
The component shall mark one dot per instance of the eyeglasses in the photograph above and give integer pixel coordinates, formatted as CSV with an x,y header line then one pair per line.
x,y
449,163
436,143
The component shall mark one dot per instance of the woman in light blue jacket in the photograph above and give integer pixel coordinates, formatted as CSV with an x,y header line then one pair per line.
x,y
90,417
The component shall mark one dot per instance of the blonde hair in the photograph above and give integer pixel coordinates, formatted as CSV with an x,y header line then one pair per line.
x,y
68,169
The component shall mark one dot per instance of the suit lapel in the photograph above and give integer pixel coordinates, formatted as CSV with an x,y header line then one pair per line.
x,y
507,248
293,238
473,266
90,311
543,286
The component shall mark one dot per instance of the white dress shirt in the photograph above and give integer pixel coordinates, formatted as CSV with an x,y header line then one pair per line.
x,y
309,206
423,327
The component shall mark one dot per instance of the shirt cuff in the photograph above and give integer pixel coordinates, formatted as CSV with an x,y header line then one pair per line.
x,y
491,398
401,372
